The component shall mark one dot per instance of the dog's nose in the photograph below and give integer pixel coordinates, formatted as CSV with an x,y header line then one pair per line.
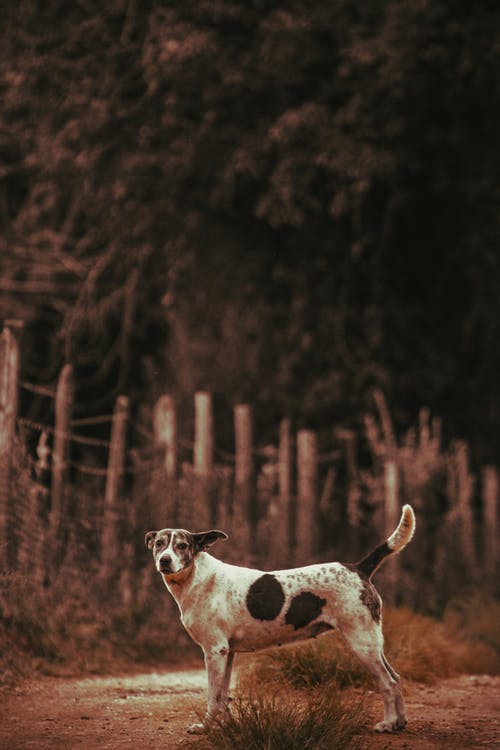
x,y
165,563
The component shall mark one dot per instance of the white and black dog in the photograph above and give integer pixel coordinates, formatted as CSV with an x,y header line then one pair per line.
x,y
228,608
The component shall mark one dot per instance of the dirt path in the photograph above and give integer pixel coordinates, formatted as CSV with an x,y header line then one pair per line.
x,y
152,711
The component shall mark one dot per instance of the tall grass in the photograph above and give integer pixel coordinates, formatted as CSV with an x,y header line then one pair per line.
x,y
476,616
73,626
309,720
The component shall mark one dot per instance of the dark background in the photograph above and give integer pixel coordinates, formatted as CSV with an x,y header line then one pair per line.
x,y
289,203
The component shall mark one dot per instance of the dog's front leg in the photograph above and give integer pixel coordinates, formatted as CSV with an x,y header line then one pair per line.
x,y
219,663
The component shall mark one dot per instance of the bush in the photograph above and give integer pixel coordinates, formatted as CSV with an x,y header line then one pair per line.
x,y
476,616
309,720
73,626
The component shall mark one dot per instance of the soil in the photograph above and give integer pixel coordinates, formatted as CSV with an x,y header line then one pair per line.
x,y
153,710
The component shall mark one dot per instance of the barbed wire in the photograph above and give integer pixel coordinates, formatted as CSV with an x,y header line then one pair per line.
x,y
137,460
91,420
36,426
40,390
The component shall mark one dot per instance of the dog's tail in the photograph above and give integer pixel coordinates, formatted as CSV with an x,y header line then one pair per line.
x,y
394,544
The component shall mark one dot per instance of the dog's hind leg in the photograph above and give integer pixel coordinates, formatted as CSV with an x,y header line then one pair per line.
x,y
368,645
400,706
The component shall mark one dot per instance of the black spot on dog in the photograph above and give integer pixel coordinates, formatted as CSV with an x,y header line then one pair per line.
x,y
305,608
371,599
265,598
318,628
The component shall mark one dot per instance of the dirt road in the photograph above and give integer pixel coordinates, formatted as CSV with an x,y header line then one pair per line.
x,y
153,710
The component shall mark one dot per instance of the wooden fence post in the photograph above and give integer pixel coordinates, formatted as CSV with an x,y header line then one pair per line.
x,y
110,543
285,526
391,518
9,376
490,492
165,430
243,443
203,434
60,455
306,512
464,507
203,458
348,440
285,463
244,510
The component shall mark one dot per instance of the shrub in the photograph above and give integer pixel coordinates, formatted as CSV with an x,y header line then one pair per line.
x,y
476,616
309,720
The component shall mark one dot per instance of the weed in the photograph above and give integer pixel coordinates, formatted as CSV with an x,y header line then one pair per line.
x,y
476,616
425,650
309,720
307,665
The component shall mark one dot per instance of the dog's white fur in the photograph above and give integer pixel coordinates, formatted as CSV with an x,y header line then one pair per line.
x,y
227,608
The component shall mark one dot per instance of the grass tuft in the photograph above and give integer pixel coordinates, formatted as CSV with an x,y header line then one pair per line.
x,y
425,650
309,720
476,616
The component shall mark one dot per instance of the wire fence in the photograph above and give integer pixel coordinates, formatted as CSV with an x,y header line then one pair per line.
x,y
71,498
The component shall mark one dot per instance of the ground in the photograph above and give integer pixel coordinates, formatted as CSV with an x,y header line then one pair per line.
x,y
152,711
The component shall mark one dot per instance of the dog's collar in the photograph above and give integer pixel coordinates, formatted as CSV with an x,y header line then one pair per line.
x,y
178,578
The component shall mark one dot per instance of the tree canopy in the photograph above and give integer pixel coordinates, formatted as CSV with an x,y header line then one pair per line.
x,y
285,202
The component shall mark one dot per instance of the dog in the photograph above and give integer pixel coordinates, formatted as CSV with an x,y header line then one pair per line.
x,y
228,608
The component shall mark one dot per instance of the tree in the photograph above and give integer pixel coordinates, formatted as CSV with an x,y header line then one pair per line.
x,y
289,203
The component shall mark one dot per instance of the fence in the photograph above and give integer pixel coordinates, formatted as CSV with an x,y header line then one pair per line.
x,y
284,504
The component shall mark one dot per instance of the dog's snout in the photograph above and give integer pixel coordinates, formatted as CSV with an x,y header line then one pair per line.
x,y
165,563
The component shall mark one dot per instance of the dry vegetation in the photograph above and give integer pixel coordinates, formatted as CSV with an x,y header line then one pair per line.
x,y
279,720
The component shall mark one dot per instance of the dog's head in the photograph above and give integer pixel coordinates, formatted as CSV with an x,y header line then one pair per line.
x,y
174,550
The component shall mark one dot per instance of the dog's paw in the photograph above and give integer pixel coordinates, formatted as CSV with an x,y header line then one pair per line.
x,y
196,729
390,726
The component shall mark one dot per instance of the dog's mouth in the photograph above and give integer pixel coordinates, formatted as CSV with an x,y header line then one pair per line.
x,y
165,567
176,576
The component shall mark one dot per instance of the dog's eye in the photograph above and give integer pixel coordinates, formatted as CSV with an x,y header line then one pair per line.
x,y
158,543
182,546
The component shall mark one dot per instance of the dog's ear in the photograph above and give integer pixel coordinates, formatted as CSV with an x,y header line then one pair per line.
x,y
206,538
149,539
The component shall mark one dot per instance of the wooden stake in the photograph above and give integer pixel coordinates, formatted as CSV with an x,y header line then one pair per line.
x,y
165,430
391,518
245,509
490,486
110,542
243,443
60,455
203,459
9,377
285,463
464,507
203,434
307,475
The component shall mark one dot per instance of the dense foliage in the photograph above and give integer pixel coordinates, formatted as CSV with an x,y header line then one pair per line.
x,y
285,202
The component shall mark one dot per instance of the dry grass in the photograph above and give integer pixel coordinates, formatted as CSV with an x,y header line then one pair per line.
x,y
476,616
74,627
305,720
425,650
